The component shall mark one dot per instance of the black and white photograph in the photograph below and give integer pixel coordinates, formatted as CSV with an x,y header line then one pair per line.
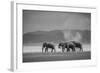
x,y
56,36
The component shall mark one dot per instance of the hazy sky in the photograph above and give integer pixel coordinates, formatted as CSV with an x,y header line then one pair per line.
x,y
47,21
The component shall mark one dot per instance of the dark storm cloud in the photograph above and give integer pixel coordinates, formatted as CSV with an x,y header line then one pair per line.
x,y
47,21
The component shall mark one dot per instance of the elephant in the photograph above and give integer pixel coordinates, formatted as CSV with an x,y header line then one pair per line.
x,y
77,45
47,46
67,46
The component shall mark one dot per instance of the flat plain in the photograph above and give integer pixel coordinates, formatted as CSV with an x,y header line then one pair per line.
x,y
40,57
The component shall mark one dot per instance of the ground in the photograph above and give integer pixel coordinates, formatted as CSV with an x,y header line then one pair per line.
x,y
37,57
34,54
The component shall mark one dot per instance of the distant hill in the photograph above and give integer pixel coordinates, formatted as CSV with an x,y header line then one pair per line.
x,y
56,36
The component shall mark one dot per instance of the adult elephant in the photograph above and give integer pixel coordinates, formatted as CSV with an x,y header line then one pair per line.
x,y
77,45
67,46
47,46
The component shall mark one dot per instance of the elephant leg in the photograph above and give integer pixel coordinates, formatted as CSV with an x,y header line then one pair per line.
x,y
73,49
52,50
42,49
81,49
46,49
68,49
